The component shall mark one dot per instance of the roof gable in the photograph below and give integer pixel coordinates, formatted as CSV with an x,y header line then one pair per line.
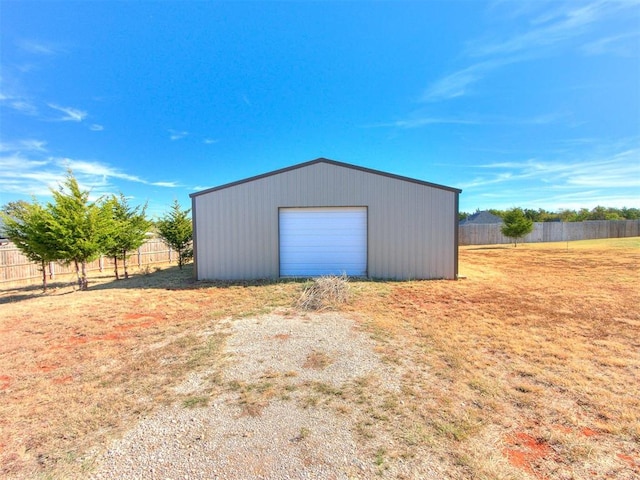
x,y
329,162
481,218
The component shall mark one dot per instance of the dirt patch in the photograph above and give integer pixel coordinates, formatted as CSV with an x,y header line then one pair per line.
x,y
63,380
282,336
629,460
525,451
5,381
317,360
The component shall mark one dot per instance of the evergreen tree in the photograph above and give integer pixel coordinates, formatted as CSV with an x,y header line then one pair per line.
x,y
27,225
176,231
516,224
130,227
79,226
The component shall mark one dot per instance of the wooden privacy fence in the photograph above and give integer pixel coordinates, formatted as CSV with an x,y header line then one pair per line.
x,y
490,234
15,267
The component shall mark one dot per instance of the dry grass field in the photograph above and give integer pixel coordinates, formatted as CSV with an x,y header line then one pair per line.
x,y
529,367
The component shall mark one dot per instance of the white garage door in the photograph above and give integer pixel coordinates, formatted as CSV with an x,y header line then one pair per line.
x,y
323,241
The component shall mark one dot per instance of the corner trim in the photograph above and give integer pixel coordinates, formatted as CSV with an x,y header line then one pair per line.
x,y
456,235
194,238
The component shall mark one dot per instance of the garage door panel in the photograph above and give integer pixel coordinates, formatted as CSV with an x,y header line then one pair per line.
x,y
323,241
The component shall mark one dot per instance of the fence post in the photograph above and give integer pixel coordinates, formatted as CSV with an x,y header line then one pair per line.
x,y
51,271
139,258
100,263
169,254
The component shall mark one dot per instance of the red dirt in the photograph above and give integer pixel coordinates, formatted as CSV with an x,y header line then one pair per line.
x,y
45,368
282,336
563,429
82,339
135,316
630,460
130,326
5,381
63,380
528,450
586,431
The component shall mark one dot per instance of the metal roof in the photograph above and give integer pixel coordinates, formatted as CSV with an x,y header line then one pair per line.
x,y
330,162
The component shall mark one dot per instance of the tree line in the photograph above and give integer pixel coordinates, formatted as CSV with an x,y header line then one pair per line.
x,y
72,229
581,215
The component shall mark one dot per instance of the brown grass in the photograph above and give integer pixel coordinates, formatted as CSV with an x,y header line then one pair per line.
x,y
322,293
528,368
317,360
78,367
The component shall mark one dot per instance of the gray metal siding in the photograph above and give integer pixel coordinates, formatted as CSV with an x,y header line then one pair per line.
x,y
412,227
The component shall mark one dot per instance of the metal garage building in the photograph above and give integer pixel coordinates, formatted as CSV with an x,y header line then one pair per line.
x,y
326,217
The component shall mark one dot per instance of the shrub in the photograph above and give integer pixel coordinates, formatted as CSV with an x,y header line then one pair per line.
x,y
324,292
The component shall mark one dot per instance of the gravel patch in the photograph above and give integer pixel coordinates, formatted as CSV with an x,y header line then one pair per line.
x,y
295,433
273,343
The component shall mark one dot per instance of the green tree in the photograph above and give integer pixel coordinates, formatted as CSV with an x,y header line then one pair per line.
x,y
531,214
130,226
79,226
516,224
27,225
176,231
496,212
630,213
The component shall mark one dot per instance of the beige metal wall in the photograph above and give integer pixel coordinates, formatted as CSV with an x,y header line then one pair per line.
x,y
412,228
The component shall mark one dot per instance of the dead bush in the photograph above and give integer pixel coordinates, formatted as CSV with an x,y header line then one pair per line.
x,y
324,292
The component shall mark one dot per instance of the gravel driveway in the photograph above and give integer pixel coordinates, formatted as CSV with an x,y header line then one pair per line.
x,y
282,412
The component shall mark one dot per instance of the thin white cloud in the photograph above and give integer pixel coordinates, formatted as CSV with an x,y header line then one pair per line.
x,y
422,121
165,184
417,120
210,141
622,45
71,114
96,128
552,199
29,145
24,106
19,104
13,164
177,134
606,178
484,181
38,47
617,169
556,29
458,83
23,176
25,170
96,169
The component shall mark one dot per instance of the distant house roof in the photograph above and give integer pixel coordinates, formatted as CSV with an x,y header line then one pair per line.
x,y
483,217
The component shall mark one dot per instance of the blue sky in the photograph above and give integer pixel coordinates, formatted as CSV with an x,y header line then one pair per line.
x,y
532,104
